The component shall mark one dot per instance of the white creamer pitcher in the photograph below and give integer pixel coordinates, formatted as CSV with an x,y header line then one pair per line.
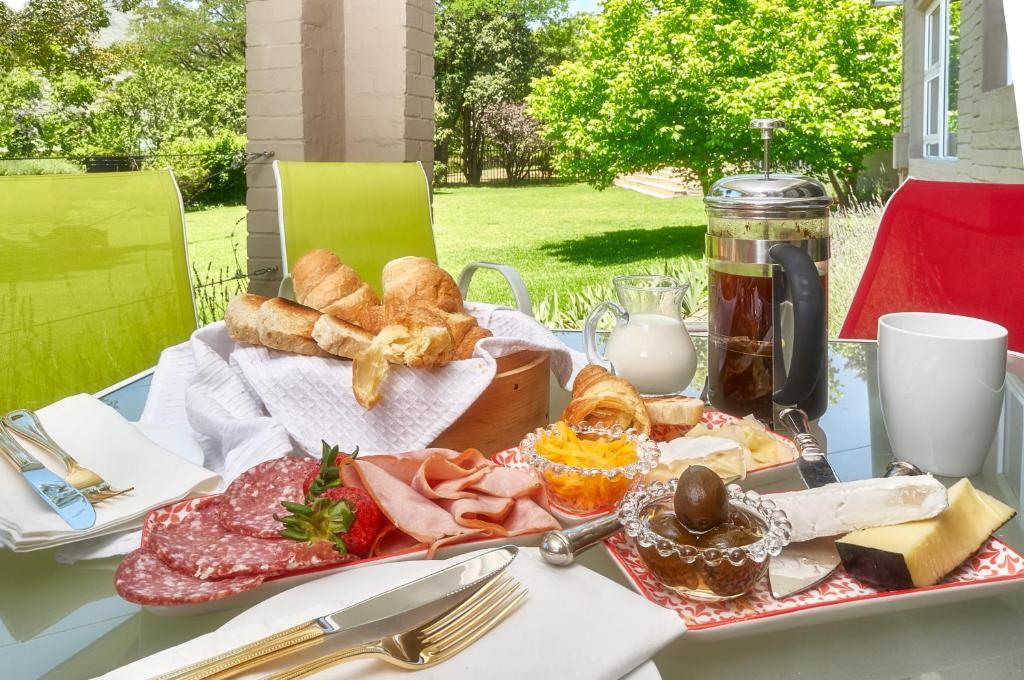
x,y
649,345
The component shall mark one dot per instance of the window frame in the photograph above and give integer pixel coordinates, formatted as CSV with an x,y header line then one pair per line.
x,y
936,17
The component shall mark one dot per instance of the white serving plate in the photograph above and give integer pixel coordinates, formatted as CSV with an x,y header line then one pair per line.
x,y
996,567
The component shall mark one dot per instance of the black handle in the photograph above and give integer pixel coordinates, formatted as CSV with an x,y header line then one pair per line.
x,y
809,314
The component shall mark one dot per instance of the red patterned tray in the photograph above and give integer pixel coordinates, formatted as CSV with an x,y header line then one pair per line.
x,y
996,565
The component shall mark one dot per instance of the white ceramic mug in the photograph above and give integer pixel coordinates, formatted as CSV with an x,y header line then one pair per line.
x,y
940,380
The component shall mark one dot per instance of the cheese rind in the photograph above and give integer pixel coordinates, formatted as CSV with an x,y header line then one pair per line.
x,y
848,506
922,553
723,456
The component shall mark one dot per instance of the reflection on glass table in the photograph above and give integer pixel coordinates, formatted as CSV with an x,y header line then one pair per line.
x,y
64,621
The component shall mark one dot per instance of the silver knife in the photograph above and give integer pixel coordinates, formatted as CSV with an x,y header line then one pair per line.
x,y
64,499
806,564
370,619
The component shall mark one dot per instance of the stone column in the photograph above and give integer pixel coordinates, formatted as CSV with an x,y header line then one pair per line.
x,y
332,80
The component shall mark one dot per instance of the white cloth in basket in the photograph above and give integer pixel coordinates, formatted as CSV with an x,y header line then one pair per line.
x,y
248,404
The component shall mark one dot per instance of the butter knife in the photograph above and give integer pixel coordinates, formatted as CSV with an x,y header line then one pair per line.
x,y
370,619
64,499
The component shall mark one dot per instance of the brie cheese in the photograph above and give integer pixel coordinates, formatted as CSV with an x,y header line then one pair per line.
x,y
848,506
723,456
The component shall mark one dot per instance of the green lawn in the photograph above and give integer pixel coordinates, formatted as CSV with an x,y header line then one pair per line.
x,y
567,241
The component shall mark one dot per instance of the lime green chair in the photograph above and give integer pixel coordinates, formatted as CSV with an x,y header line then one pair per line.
x,y
95,281
367,213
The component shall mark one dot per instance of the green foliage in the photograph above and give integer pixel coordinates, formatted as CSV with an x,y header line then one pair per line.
x,y
42,115
676,82
516,136
39,167
209,170
53,36
485,52
197,35
157,104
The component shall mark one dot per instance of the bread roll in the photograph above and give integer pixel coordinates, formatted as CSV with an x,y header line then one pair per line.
x,y
369,370
417,281
673,417
371,318
242,317
288,326
418,338
599,397
324,282
340,338
464,349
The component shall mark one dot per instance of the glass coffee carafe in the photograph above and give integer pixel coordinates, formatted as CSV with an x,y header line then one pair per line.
x,y
649,345
768,251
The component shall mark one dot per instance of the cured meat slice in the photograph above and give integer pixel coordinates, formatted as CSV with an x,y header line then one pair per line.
x,y
404,506
450,489
508,483
143,579
481,512
405,466
250,502
527,517
201,547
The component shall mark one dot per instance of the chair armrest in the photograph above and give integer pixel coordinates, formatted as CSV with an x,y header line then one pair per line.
x,y
515,282
286,290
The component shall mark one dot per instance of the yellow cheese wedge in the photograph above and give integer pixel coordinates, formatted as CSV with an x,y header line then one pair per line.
x,y
918,554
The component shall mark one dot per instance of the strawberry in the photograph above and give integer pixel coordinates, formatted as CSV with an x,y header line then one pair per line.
x,y
346,516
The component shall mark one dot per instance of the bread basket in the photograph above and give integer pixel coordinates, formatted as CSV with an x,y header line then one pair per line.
x,y
515,403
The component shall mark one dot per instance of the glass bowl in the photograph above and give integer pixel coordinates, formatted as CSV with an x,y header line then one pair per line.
x,y
583,491
709,574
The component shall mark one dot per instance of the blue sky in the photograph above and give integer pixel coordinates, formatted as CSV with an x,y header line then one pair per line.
x,y
583,5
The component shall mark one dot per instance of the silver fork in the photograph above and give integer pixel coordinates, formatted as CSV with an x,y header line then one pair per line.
x,y
92,486
435,641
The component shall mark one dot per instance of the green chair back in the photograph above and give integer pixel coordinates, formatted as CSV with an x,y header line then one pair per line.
x,y
94,281
367,213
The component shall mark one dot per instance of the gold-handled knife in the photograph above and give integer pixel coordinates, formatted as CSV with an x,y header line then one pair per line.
x,y
383,614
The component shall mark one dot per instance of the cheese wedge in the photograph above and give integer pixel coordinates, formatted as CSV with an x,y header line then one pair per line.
x,y
919,554
723,456
847,506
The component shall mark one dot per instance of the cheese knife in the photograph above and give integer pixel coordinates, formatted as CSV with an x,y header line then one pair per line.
x,y
806,564
369,619
64,499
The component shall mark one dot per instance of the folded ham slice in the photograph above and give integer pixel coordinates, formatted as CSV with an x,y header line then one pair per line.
x,y
436,497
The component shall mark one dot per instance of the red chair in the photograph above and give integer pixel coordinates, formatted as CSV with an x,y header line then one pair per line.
x,y
946,247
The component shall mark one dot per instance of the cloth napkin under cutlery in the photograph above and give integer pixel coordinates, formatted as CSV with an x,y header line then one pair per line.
x,y
102,440
248,404
574,623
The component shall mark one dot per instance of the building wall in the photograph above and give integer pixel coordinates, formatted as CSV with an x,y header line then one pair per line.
x,y
332,80
988,147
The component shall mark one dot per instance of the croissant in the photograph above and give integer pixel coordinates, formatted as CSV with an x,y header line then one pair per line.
x,y
598,397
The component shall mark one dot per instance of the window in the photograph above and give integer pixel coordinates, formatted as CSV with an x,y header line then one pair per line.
x,y
941,78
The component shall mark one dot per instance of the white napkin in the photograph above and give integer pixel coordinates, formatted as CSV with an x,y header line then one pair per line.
x,y
249,404
574,624
101,440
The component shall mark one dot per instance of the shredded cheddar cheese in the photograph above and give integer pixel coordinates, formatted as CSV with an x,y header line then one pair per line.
x,y
582,493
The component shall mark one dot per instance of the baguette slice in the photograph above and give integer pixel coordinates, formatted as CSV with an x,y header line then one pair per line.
x,y
673,417
340,338
288,326
243,317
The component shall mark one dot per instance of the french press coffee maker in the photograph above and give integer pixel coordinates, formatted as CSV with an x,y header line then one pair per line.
x,y
768,252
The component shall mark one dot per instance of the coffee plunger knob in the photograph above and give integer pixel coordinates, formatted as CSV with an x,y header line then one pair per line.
x,y
767,126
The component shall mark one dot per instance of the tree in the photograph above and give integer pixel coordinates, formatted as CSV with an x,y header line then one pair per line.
x,y
516,135
484,52
190,34
675,82
53,36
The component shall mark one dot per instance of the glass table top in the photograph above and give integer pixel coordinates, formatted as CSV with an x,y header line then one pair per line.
x,y
65,621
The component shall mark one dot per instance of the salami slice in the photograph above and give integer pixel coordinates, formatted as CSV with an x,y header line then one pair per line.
x,y
250,502
142,578
201,547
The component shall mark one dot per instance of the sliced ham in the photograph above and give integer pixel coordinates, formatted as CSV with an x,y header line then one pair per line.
x,y
482,512
527,517
508,483
404,506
